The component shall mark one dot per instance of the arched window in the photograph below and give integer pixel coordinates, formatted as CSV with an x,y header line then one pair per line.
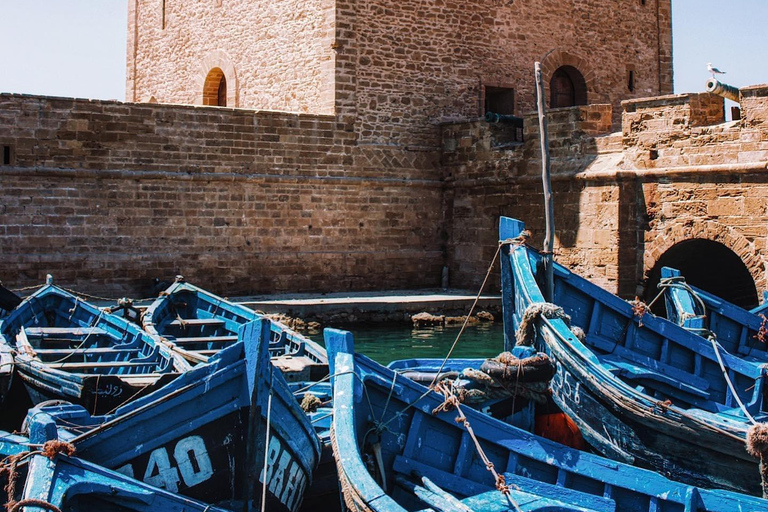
x,y
215,88
567,88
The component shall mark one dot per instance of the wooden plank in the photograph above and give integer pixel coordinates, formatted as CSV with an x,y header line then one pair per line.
x,y
464,486
64,331
204,339
101,364
86,351
197,321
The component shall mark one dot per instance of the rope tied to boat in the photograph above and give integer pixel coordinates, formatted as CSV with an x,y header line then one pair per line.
x,y
757,446
9,470
310,403
526,332
762,332
54,447
450,403
522,239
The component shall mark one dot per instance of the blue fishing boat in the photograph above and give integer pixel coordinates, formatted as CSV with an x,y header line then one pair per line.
x,y
398,448
200,324
6,370
65,348
8,302
227,432
739,331
50,480
641,389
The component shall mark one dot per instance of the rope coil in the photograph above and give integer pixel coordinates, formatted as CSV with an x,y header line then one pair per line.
x,y
526,332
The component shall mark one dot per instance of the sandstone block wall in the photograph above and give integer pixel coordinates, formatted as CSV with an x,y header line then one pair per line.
x,y
276,55
421,64
398,68
674,173
485,182
108,196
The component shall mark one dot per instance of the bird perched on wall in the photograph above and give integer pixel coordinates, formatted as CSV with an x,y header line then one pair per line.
x,y
714,70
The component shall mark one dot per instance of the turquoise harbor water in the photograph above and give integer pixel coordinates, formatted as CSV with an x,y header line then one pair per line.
x,y
387,342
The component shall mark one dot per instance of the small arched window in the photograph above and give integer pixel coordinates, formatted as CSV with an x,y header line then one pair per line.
x,y
215,88
567,88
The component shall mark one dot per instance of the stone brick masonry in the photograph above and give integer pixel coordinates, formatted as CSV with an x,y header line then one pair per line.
x,y
108,196
382,175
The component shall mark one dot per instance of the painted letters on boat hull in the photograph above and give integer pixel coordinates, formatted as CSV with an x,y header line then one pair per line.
x,y
205,434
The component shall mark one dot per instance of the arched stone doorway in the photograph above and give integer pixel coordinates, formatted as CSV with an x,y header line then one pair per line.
x,y
215,88
708,265
567,88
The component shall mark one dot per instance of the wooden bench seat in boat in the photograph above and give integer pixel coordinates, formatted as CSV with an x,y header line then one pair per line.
x,y
197,321
65,331
623,368
451,482
203,339
86,351
101,364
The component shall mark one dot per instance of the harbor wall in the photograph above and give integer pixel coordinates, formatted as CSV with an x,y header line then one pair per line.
x,y
676,172
109,196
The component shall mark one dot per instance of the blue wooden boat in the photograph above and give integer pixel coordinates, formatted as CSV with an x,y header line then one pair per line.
x,y
739,331
65,348
207,435
71,484
641,389
200,324
395,453
6,370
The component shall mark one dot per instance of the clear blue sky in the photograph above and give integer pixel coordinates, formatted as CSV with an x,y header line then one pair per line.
x,y
77,47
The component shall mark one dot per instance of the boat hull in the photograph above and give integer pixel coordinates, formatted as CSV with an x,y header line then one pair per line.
x,y
642,390
621,430
209,434
390,434
99,394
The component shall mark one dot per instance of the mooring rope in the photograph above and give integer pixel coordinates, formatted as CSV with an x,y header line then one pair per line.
x,y
520,240
452,402
471,310
9,466
32,502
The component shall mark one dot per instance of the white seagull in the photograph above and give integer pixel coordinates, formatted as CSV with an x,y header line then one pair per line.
x,y
714,71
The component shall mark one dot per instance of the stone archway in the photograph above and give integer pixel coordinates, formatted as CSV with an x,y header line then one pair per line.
x,y
567,88
574,67
215,67
711,256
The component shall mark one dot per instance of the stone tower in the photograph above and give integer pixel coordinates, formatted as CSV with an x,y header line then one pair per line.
x,y
398,68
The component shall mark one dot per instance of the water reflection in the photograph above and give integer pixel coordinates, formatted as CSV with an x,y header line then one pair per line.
x,y
386,342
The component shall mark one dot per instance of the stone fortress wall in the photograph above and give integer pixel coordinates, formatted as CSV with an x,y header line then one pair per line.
x,y
378,172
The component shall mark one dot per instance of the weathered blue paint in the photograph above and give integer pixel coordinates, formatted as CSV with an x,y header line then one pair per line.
x,y
377,411
734,328
642,390
216,413
66,348
200,324
516,411
74,485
